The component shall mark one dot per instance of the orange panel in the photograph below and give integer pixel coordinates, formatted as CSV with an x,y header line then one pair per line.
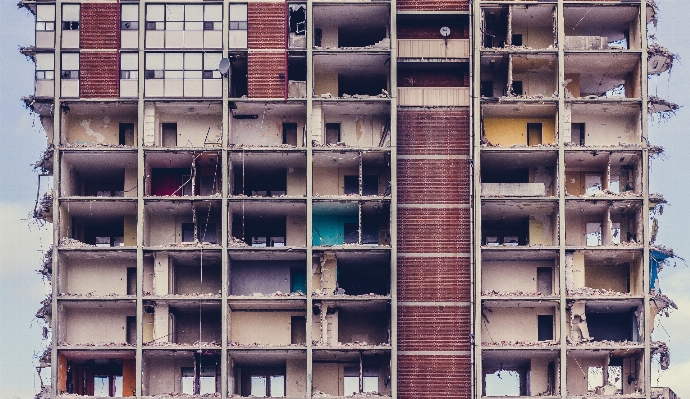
x,y
129,377
62,373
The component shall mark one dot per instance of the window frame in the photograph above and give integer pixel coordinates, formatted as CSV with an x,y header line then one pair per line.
x,y
129,24
209,21
208,69
41,71
45,22
71,24
69,74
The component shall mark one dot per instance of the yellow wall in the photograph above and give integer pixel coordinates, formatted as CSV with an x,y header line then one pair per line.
x,y
326,83
130,231
607,277
266,328
513,131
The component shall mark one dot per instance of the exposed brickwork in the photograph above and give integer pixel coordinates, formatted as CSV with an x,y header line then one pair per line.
x,y
433,5
437,181
263,74
98,74
433,79
99,26
458,30
266,25
434,377
434,230
434,279
440,132
434,328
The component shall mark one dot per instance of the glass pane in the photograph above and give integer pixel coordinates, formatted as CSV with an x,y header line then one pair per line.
x,y
100,385
188,385
192,62
371,384
207,385
277,386
130,12
45,12
193,25
194,12
211,61
238,12
45,61
70,61
129,61
351,385
70,12
258,385
118,386
174,25
173,62
155,12
154,61
174,12
213,12
192,74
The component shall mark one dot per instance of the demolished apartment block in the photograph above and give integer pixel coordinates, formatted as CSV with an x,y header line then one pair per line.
x,y
348,199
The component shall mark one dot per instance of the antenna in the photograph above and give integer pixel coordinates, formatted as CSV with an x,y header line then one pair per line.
x,y
224,66
445,31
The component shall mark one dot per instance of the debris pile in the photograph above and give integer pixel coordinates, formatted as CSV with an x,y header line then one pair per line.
x,y
606,343
586,291
95,344
46,270
537,344
277,294
236,344
494,293
661,349
66,242
45,161
236,242
43,209
45,312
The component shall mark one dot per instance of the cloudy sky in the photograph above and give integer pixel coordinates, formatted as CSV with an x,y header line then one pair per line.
x,y
21,245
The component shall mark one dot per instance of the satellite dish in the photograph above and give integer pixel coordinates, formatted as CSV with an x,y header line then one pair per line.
x,y
224,66
445,31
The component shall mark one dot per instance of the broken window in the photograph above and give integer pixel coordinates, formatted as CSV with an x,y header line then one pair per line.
x,y
297,26
70,17
70,66
45,66
261,231
238,25
503,383
45,17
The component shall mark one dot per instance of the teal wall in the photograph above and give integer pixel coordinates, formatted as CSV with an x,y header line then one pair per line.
x,y
329,229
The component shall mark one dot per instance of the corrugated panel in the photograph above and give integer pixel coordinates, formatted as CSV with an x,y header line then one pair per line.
x,y
433,48
433,181
434,230
434,328
266,25
98,75
434,279
434,96
433,132
99,26
264,71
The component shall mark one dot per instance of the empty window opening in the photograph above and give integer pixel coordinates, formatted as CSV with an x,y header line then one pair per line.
x,y
298,280
238,74
534,132
260,231
260,182
506,232
351,233
132,330
613,326
298,330
495,27
169,135
577,133
544,328
505,175
290,134
349,278
593,237
517,88
516,39
592,183
126,136
503,383
207,233
333,133
187,232
351,184
99,378
545,280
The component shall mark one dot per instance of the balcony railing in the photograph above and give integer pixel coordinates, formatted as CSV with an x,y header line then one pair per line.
x,y
433,48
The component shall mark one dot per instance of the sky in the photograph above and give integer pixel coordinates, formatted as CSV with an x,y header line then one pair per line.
x,y
22,141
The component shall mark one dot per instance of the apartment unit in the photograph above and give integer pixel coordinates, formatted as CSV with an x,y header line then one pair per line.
x,y
348,198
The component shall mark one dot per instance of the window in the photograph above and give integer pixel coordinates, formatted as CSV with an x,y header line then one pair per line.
x,y
70,66
238,25
544,327
45,17
70,17
45,66
332,133
516,40
191,17
265,384
370,380
107,385
290,134
129,66
182,66
517,87
129,17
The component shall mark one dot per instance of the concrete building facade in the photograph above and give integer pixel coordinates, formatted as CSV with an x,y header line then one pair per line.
x,y
406,199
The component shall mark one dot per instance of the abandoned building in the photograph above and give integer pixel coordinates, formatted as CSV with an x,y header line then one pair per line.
x,y
361,198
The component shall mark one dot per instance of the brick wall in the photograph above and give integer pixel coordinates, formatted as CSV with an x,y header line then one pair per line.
x,y
264,70
437,181
438,328
427,133
436,176
434,377
433,5
266,25
99,26
98,74
434,279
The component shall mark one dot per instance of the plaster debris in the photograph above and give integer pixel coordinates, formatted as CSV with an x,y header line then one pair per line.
x,y
511,294
95,344
661,349
66,242
236,242
92,295
43,208
318,394
236,344
45,312
659,59
586,291
530,344
606,343
45,162
46,270
665,108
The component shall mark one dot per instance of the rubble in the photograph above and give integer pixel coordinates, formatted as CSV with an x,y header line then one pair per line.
x,y
586,291
45,312
663,303
45,161
46,270
355,344
66,242
531,344
211,344
318,394
92,295
277,294
96,344
660,59
592,343
236,344
43,208
661,349
236,242
665,108
495,293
